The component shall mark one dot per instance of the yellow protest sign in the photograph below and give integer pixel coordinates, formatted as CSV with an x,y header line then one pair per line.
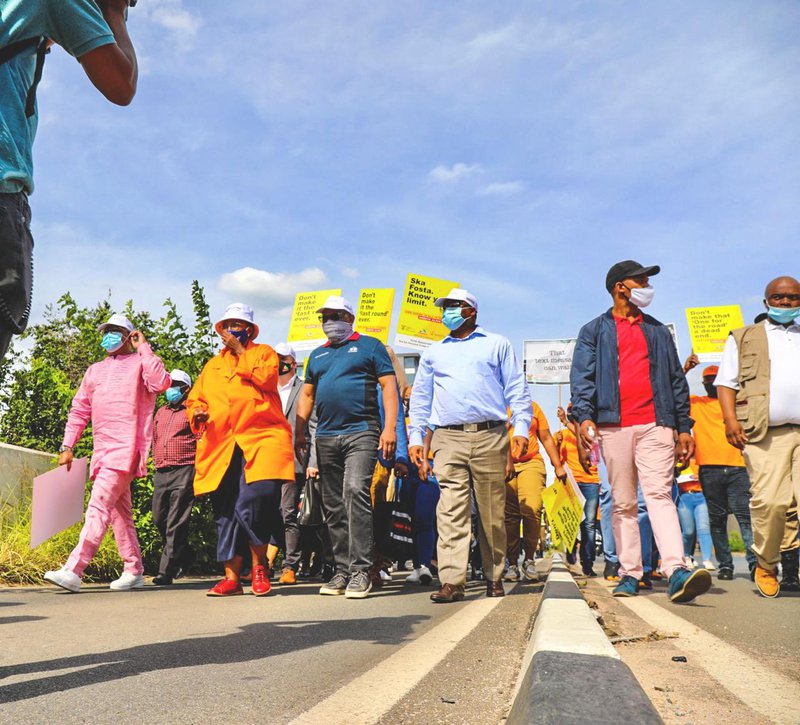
x,y
564,512
305,330
709,328
420,322
375,313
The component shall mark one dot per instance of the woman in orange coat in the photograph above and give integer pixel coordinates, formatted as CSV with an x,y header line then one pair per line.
x,y
245,454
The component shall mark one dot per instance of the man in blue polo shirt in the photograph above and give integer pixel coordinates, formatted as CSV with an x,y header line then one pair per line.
x,y
342,381
94,32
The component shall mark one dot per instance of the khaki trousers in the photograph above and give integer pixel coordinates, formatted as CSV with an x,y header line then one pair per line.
x,y
773,465
524,502
465,461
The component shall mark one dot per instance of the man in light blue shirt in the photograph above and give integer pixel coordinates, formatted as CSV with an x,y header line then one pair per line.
x,y
94,32
464,387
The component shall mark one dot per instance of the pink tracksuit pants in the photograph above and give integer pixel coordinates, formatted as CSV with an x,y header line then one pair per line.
x,y
110,503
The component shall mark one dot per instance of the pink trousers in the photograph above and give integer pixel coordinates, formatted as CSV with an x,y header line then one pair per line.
x,y
110,503
643,454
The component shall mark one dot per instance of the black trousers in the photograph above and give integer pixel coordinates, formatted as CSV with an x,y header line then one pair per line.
x,y
16,266
173,495
245,513
290,499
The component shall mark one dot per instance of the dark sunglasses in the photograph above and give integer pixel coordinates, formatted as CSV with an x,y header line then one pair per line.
x,y
332,316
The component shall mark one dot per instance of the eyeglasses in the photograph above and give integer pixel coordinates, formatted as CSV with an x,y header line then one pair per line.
x,y
452,305
778,297
332,316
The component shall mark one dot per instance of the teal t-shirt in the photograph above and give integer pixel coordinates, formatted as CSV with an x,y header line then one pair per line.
x,y
76,25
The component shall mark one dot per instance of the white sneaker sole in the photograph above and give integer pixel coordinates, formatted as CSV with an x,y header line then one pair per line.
x,y
126,587
349,594
66,587
330,592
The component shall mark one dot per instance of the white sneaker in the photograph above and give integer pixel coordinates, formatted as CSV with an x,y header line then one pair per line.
x,y
65,579
385,576
127,582
709,565
414,577
529,569
425,576
512,574
690,562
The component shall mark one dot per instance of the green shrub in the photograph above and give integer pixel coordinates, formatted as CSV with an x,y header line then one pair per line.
x,y
735,542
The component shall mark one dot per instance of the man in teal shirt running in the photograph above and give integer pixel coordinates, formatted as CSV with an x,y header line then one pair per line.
x,y
94,32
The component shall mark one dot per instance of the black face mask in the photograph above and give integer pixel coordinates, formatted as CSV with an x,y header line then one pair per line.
x,y
711,390
284,368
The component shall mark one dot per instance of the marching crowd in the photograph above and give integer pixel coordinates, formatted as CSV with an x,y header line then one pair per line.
x,y
351,471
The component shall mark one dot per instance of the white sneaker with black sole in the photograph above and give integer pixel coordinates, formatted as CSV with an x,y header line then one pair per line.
x,y
512,573
336,585
359,586
425,576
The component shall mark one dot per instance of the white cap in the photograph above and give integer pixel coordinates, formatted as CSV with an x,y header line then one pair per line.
x,y
334,302
284,349
460,295
238,311
179,376
117,320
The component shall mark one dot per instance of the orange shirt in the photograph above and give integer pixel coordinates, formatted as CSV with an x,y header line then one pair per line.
x,y
244,409
711,446
538,424
568,453
689,481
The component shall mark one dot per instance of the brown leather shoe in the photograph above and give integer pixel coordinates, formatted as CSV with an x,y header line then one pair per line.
x,y
767,582
447,594
288,576
495,589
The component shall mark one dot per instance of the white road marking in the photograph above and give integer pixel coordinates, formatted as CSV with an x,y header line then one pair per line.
x,y
369,696
763,689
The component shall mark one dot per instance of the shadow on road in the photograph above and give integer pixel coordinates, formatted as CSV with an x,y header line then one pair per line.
x,y
21,618
251,642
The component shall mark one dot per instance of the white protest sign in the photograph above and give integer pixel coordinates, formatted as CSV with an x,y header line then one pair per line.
x,y
547,362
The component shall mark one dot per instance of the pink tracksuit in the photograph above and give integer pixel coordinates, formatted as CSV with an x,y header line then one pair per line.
x,y
118,394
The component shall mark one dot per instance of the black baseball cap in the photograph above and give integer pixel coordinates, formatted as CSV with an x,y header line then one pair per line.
x,y
626,270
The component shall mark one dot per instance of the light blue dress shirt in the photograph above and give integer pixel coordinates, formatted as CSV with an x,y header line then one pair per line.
x,y
469,380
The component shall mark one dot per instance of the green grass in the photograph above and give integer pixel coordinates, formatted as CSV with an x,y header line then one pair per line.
x,y
735,542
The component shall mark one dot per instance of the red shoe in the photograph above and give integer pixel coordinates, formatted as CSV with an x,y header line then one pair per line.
x,y
225,588
261,585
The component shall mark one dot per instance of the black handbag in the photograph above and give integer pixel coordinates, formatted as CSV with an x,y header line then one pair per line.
x,y
310,513
401,536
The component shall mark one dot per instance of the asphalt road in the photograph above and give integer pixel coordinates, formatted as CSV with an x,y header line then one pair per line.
x,y
175,655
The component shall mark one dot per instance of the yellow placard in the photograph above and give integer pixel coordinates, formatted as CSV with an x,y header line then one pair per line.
x,y
375,313
420,322
305,330
564,512
709,328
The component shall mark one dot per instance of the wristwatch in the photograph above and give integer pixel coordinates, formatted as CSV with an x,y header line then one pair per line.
x,y
65,448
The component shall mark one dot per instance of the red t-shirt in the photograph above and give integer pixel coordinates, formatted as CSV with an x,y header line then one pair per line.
x,y
635,390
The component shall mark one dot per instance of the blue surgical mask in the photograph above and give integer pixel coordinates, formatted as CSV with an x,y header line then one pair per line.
x,y
112,341
240,335
783,315
451,318
174,395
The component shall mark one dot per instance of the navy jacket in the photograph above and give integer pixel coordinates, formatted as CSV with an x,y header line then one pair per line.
x,y
594,377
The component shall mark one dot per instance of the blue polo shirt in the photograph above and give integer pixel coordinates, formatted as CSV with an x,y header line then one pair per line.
x,y
76,25
345,380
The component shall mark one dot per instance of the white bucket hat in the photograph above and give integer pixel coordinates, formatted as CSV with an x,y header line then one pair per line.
x,y
459,295
179,376
238,311
334,302
117,320
284,349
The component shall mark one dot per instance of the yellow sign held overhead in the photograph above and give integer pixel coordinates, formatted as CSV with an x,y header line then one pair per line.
x,y
375,313
305,330
709,328
420,322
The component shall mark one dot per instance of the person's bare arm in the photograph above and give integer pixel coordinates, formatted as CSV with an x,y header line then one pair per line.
x,y
305,404
388,439
113,68
550,447
733,428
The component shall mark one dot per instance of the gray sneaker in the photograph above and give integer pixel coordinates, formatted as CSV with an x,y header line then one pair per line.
x,y
529,569
359,587
512,573
336,585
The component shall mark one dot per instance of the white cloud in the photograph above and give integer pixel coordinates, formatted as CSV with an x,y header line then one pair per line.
x,y
451,174
349,272
271,291
501,188
173,17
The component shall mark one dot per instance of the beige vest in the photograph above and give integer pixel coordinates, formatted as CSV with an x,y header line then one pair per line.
x,y
752,398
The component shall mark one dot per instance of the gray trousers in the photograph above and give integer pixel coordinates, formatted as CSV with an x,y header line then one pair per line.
x,y
16,267
173,495
465,461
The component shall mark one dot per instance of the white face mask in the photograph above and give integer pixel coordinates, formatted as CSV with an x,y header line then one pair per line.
x,y
642,296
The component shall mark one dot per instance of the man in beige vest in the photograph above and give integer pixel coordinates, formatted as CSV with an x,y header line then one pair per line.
x,y
759,391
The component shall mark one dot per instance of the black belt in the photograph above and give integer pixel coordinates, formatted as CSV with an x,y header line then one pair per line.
x,y
474,427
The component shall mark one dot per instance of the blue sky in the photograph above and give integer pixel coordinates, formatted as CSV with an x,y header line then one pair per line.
x,y
518,148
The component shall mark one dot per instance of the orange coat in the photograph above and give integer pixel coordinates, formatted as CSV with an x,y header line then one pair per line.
x,y
244,408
